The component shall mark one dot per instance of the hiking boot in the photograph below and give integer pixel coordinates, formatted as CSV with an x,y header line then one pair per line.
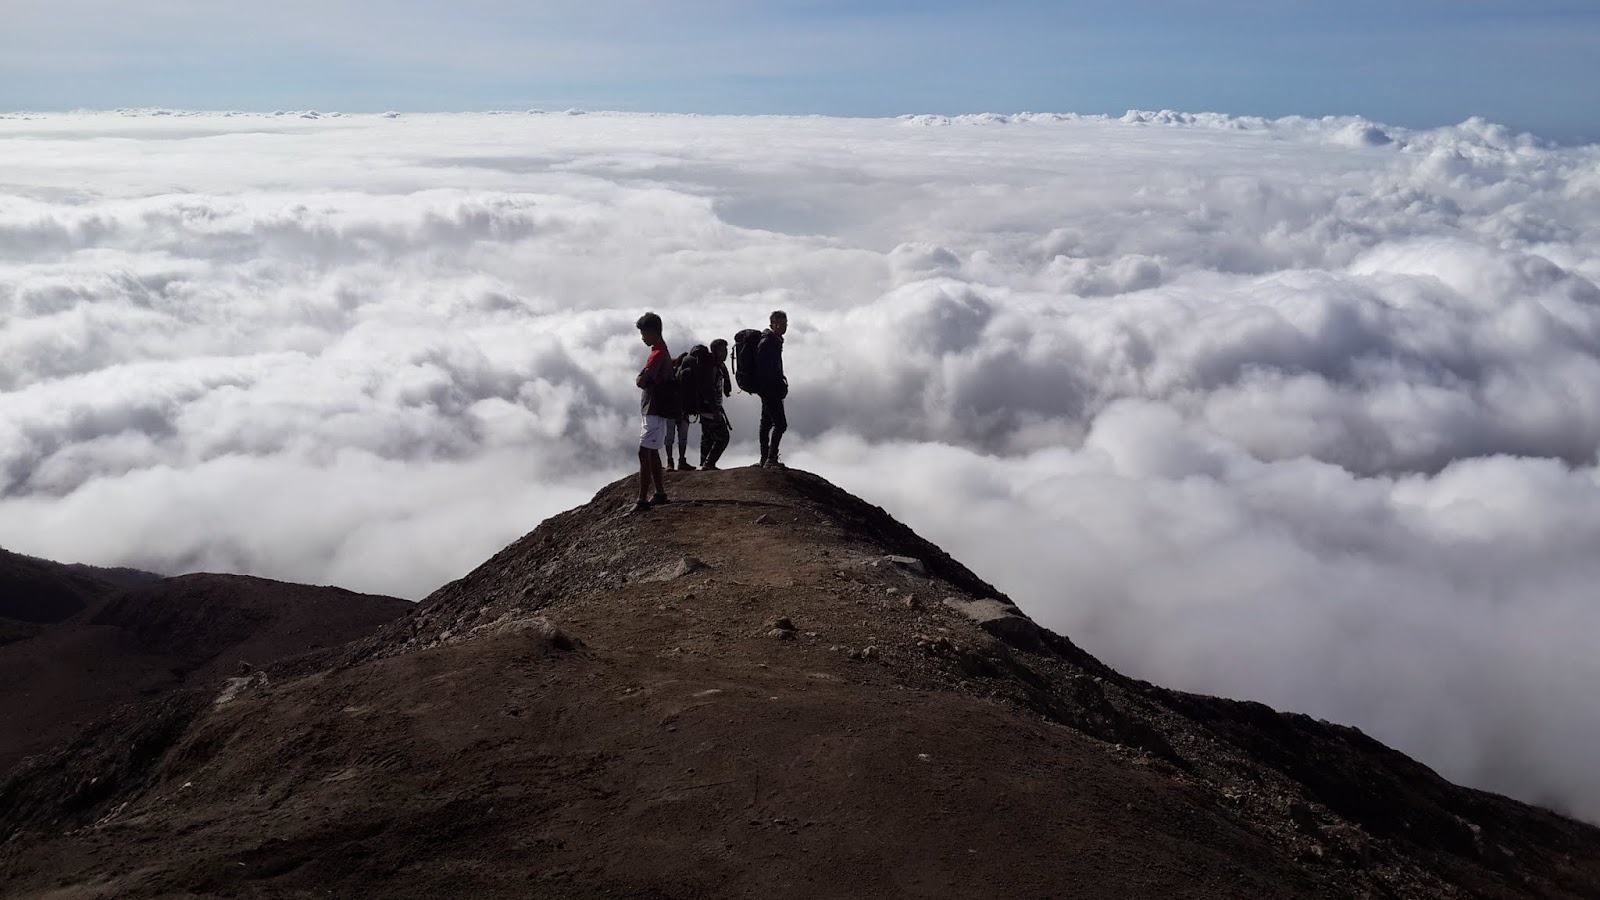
x,y
640,506
659,499
671,466
683,466
709,467
773,462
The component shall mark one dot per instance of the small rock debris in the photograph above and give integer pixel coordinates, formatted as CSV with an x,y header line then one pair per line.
x,y
909,563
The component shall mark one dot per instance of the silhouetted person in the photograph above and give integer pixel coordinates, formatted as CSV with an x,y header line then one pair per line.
x,y
774,388
714,426
656,407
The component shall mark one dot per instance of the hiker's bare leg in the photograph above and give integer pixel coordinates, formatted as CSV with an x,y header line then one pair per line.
x,y
655,472
645,456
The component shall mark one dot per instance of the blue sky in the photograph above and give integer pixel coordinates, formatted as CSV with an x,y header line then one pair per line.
x,y
1533,64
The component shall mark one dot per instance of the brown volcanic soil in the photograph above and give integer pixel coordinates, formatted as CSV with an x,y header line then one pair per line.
x,y
609,708
135,644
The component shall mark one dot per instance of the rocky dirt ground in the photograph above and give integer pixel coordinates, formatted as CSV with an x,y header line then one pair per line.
x,y
768,688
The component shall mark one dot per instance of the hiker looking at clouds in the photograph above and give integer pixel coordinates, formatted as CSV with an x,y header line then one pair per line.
x,y
773,387
657,404
714,427
678,431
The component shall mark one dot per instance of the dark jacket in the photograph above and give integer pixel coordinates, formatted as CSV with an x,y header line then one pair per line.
x,y
769,366
722,386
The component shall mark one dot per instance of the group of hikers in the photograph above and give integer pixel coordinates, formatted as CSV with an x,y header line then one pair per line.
x,y
693,385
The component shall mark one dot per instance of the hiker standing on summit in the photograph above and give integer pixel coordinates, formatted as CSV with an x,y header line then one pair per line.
x,y
656,407
678,430
714,427
774,387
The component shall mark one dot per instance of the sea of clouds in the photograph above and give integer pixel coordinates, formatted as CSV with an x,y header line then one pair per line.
x,y
1302,411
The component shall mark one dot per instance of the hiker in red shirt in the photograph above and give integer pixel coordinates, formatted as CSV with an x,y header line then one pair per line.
x,y
654,405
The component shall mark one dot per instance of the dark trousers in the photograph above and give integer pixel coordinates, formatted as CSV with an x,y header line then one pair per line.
x,y
713,437
773,424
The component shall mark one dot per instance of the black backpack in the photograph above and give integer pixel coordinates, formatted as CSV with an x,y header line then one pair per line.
x,y
692,371
706,374
667,395
746,374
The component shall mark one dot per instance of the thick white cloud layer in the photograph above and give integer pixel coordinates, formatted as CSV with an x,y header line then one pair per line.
x,y
1304,411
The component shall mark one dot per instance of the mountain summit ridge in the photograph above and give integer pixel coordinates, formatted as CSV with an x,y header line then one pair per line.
x,y
771,688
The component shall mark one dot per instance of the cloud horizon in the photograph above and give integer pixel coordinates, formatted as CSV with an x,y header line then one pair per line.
x,y
1425,63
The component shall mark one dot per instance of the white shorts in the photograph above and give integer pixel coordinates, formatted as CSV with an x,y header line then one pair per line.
x,y
653,433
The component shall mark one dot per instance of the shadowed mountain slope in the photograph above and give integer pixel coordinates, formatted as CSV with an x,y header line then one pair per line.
x,y
126,645
120,576
38,593
768,688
